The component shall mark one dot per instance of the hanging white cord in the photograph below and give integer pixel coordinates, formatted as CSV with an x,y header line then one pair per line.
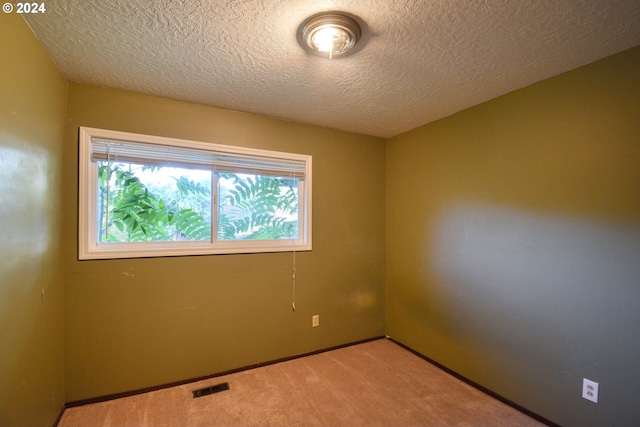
x,y
293,274
293,283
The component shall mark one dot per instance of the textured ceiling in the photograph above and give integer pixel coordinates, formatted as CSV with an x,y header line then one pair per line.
x,y
418,60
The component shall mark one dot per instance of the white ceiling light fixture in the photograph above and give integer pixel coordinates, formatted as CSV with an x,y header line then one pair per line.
x,y
329,34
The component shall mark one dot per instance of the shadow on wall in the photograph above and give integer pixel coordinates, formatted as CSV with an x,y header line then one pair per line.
x,y
559,292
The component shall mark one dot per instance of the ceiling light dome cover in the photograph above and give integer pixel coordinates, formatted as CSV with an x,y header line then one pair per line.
x,y
343,31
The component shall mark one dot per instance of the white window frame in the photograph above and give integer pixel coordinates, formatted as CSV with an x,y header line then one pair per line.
x,y
90,248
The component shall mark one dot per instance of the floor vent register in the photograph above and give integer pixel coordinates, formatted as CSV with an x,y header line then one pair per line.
x,y
210,390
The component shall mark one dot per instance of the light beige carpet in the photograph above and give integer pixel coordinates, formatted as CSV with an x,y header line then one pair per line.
x,y
377,383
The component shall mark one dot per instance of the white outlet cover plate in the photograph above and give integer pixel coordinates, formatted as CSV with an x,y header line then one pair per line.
x,y
590,390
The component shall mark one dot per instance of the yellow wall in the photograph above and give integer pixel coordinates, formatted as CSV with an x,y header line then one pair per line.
x,y
32,111
137,323
513,242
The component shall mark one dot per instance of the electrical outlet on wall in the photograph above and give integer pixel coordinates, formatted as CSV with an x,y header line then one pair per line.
x,y
315,320
590,390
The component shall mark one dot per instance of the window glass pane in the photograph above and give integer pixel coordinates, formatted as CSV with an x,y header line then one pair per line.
x,y
145,203
257,207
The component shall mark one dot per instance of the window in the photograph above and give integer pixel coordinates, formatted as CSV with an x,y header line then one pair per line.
x,y
145,196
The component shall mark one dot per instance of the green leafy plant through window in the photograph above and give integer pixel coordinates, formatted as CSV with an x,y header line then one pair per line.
x,y
258,207
132,211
